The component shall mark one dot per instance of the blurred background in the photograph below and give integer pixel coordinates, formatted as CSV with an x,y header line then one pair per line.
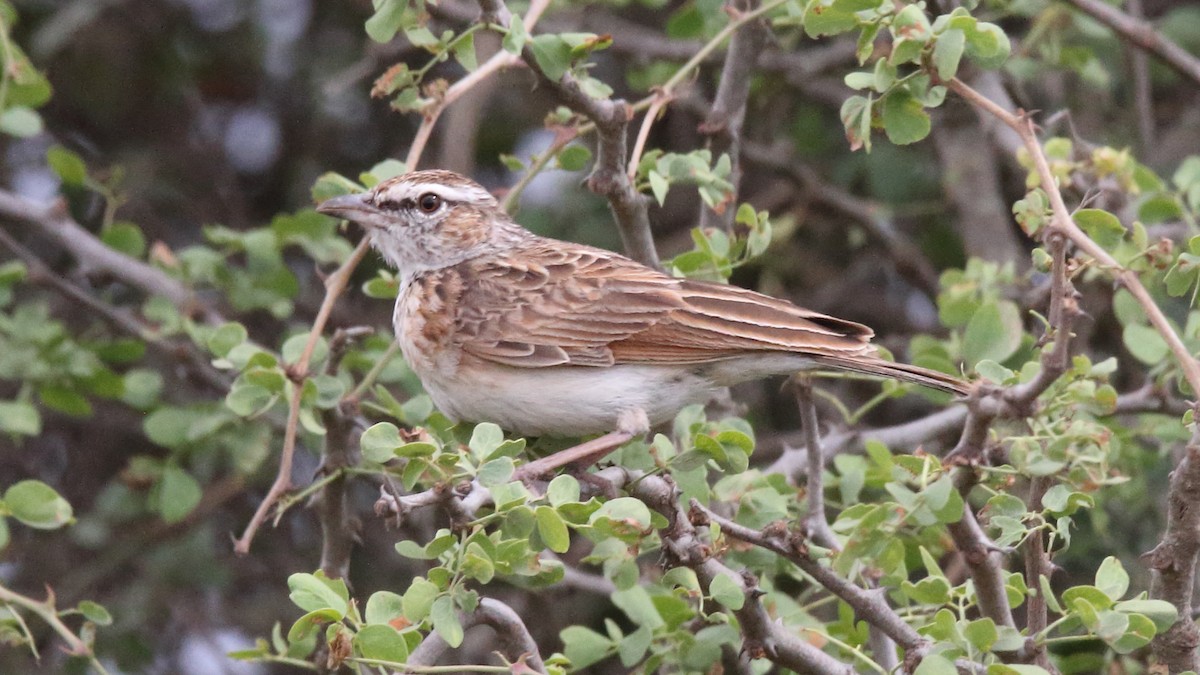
x,y
226,112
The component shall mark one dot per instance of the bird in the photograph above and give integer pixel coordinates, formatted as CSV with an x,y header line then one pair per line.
x,y
551,338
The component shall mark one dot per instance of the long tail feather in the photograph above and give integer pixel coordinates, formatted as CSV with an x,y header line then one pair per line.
x,y
869,365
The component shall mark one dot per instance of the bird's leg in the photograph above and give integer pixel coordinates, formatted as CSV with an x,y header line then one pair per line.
x,y
631,424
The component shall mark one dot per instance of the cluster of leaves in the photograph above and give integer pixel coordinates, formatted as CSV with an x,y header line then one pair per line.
x,y
891,510
904,82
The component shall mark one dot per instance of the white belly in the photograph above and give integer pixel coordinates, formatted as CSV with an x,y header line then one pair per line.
x,y
566,401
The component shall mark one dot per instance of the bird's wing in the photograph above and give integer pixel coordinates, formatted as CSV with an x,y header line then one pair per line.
x,y
549,303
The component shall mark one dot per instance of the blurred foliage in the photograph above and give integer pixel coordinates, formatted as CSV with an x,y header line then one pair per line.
x,y
194,137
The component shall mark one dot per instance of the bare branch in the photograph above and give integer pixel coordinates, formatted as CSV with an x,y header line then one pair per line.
x,y
1174,562
1037,566
609,177
724,122
1143,35
54,221
794,463
982,558
816,523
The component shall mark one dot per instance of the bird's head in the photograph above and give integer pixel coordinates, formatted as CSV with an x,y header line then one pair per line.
x,y
426,220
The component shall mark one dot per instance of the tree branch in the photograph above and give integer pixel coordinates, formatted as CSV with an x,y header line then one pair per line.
x,y
1062,220
515,640
1143,35
609,179
54,221
1174,562
724,122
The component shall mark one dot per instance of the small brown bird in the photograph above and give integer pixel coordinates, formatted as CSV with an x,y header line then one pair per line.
x,y
548,337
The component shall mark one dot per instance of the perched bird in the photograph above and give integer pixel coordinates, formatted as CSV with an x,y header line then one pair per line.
x,y
546,337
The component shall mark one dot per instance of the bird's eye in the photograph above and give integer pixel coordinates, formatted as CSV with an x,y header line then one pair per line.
x,y
429,202
389,205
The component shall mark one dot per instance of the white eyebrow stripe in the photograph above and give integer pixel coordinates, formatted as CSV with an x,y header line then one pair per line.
x,y
450,193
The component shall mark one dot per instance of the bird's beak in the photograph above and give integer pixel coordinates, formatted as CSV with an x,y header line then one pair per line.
x,y
351,207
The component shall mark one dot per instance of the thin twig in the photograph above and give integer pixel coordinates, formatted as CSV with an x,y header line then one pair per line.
x,y
47,613
816,523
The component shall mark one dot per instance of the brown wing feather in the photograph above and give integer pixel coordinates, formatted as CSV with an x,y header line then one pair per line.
x,y
552,304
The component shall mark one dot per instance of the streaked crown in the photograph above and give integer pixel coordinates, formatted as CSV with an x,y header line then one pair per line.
x,y
427,220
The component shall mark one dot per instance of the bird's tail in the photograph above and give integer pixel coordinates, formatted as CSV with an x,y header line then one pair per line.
x,y
870,365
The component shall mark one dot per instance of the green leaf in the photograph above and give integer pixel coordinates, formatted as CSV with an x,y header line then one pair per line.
x,y
1112,578
627,509
987,45
445,621
947,52
418,599
314,592
225,338
21,121
383,606
464,53
95,612
37,505
904,118
1161,612
248,400
496,471
5,535
727,592
1102,226
659,186
386,21
1144,343
1139,631
65,399
564,489
994,332
178,493
381,641
126,238
552,529
635,601
477,564
514,41
553,55
485,438
981,633
830,17
380,441
20,418
69,167
305,625
574,157
935,664
584,646
856,118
